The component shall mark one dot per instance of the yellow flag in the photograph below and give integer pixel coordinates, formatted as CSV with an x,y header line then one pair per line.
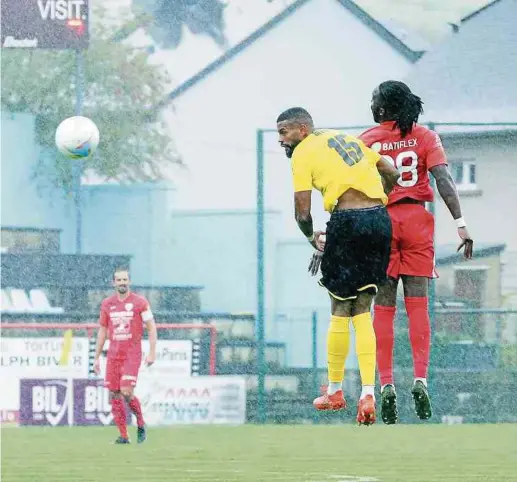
x,y
67,347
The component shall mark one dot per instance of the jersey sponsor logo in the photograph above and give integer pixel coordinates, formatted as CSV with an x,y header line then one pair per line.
x,y
396,145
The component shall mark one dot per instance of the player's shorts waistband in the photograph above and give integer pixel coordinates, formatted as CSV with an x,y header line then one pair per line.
x,y
408,200
380,207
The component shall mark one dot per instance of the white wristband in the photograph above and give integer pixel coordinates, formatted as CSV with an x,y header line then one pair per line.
x,y
460,222
310,238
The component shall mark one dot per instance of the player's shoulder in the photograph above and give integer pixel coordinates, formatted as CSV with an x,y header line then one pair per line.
x,y
429,138
109,299
140,299
369,133
420,130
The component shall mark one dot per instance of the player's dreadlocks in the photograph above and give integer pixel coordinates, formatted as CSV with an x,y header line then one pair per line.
x,y
400,105
296,114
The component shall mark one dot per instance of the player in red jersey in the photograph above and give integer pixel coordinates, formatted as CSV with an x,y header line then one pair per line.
x,y
415,151
122,319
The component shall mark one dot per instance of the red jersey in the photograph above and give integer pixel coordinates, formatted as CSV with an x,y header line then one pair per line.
x,y
125,322
413,156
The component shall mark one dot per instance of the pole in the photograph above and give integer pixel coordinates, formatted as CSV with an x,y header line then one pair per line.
x,y
261,361
314,337
77,168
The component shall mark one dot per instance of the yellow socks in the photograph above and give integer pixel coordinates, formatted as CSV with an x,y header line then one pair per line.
x,y
338,341
365,347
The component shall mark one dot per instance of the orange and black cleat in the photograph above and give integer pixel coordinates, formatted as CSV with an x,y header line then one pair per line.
x,y
366,411
336,401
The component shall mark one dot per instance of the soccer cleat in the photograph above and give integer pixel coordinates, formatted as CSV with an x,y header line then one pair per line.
x,y
422,401
122,440
366,410
141,435
336,401
389,412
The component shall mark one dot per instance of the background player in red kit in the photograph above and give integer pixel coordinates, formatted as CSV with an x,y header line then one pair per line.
x,y
415,150
122,319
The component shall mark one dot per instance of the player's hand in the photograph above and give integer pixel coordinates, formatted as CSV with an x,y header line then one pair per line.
x,y
97,366
150,359
319,240
315,262
467,243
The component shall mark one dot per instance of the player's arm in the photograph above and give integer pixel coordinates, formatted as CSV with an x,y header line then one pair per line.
x,y
389,174
436,163
302,181
448,192
101,338
148,319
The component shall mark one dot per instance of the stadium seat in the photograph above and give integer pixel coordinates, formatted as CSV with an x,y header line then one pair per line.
x,y
40,303
20,301
6,305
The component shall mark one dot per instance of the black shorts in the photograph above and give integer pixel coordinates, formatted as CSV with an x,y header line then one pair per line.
x,y
357,252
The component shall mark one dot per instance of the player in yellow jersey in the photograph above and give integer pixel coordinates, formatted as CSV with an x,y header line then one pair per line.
x,y
352,179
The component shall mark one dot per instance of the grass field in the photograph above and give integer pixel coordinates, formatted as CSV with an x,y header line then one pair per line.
x,y
264,453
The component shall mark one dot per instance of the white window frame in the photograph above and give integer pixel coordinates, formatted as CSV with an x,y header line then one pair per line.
x,y
465,185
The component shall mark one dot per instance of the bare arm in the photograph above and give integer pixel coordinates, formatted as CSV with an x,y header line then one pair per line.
x,y
449,194
447,189
389,174
302,212
101,339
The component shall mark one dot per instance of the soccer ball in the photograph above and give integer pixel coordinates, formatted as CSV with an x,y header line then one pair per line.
x,y
77,137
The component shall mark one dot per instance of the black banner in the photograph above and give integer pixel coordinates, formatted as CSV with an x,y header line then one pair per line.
x,y
45,24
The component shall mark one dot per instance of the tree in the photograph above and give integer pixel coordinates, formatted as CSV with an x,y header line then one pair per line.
x,y
121,90
201,17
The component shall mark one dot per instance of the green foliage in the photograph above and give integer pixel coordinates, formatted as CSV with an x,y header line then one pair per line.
x,y
121,89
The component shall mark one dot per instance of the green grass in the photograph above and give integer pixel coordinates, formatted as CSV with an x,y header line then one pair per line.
x,y
324,453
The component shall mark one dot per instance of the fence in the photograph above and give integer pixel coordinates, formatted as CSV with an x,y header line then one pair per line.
x,y
471,378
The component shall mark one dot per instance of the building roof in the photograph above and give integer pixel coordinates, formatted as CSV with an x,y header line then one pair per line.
x,y
359,13
446,253
471,76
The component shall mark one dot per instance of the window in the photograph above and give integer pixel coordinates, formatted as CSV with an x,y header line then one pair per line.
x,y
464,175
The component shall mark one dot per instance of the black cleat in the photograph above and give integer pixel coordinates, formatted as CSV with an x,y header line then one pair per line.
x,y
141,435
422,401
389,412
122,440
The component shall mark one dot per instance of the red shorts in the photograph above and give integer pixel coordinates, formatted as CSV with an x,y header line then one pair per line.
x,y
412,242
122,372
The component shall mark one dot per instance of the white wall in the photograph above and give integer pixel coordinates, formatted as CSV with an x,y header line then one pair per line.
x,y
321,57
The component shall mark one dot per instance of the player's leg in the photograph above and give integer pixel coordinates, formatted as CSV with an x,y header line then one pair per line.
x,y
383,323
338,342
417,308
118,408
366,354
127,386
416,267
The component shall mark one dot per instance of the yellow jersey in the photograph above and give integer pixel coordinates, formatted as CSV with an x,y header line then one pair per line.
x,y
332,162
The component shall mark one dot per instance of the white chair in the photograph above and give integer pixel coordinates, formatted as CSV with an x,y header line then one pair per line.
x,y
6,304
40,302
20,301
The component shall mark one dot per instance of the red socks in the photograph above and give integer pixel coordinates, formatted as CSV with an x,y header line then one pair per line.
x,y
118,409
135,407
384,333
419,337
419,334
